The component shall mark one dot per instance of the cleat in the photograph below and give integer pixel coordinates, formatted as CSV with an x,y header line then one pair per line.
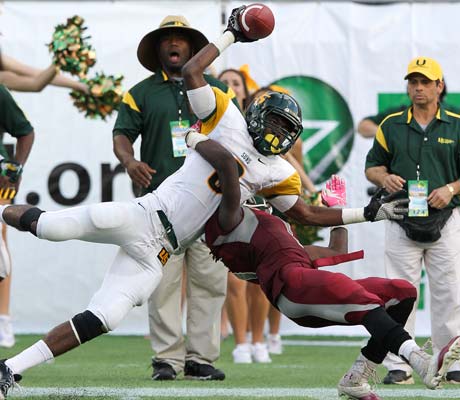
x,y
202,372
355,383
242,354
260,354
432,369
453,377
7,379
275,346
163,371
398,377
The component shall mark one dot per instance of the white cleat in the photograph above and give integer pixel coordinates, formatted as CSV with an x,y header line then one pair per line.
x,y
242,354
275,346
260,353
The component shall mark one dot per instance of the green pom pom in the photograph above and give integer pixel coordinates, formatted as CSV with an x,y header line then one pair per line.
x,y
105,96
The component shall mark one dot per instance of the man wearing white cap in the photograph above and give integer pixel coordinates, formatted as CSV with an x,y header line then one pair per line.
x,y
418,149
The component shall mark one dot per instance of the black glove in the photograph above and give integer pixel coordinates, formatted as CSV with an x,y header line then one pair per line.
x,y
234,25
11,169
387,206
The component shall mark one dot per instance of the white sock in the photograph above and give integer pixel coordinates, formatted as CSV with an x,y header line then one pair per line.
x,y
2,208
407,348
36,354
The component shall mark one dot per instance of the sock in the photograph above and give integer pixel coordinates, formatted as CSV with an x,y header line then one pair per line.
x,y
36,354
362,357
407,348
2,208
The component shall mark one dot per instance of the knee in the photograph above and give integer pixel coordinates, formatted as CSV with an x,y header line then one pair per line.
x,y
404,289
87,326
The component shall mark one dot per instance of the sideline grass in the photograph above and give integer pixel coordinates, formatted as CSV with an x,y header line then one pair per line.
x,y
123,363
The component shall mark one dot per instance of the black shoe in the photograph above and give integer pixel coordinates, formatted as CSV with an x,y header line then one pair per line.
x,y
453,377
162,371
398,377
7,379
204,372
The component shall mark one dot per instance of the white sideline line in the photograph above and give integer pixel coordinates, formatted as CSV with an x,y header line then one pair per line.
x,y
137,393
332,343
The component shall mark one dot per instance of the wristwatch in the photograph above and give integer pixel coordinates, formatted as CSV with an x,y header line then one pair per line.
x,y
451,189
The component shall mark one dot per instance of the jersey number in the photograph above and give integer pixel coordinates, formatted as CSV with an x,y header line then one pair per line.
x,y
213,180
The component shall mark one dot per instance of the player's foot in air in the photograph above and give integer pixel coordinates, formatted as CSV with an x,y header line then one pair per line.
x,y
355,383
432,369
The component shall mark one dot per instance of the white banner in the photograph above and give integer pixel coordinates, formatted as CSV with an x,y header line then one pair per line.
x,y
335,57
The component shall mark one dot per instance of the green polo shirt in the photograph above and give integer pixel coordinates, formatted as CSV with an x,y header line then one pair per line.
x,y
401,144
12,119
147,110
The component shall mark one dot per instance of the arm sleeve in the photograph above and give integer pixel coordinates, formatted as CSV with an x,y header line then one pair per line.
x,y
12,118
129,119
202,101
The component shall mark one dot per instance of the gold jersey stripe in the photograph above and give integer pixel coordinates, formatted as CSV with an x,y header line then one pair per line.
x,y
290,186
380,137
222,101
451,114
129,100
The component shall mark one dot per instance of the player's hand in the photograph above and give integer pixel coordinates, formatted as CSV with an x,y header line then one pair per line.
x,y
393,183
440,197
387,206
334,193
140,173
233,25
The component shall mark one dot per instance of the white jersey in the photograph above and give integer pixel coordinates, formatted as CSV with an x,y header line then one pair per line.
x,y
189,197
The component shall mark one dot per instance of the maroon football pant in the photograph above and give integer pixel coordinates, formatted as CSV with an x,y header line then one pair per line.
x,y
317,298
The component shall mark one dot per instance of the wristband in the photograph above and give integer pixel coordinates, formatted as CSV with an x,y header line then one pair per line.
x,y
193,138
353,215
451,188
225,40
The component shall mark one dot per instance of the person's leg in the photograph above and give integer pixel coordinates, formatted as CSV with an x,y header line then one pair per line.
x,y
275,345
442,263
165,322
403,260
206,291
237,309
258,313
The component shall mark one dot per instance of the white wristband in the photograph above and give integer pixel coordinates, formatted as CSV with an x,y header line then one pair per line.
x,y
225,40
353,215
193,138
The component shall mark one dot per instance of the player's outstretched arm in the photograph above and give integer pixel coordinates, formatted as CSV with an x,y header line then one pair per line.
x,y
225,165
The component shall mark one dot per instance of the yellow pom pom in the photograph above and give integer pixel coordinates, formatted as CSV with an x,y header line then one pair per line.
x,y
274,141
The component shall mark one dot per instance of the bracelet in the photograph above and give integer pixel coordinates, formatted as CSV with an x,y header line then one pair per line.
x,y
451,188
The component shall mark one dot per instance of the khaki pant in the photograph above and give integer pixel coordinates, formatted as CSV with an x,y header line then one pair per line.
x,y
404,259
206,284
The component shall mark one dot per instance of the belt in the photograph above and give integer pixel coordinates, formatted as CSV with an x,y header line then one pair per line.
x,y
168,229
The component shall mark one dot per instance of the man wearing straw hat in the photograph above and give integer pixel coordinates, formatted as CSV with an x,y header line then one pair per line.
x,y
157,110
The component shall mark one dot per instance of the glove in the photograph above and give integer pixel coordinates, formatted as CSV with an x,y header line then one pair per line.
x,y
192,137
387,206
11,169
233,25
334,194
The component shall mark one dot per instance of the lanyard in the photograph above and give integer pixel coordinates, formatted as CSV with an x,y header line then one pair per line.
x,y
178,85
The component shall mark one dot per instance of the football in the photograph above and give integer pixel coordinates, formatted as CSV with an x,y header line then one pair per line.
x,y
256,21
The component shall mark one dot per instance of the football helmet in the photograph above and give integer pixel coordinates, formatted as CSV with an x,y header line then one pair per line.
x,y
274,121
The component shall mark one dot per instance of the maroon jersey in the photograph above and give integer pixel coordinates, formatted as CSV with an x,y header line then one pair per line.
x,y
257,249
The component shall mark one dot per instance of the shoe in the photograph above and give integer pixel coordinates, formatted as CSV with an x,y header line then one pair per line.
x,y
6,332
202,372
453,377
260,354
7,379
242,354
355,383
275,345
432,369
398,377
162,371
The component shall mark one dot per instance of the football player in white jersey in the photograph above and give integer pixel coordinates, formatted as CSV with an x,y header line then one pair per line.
x,y
150,228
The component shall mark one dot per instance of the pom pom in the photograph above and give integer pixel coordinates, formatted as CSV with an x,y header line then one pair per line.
x,y
71,51
104,98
